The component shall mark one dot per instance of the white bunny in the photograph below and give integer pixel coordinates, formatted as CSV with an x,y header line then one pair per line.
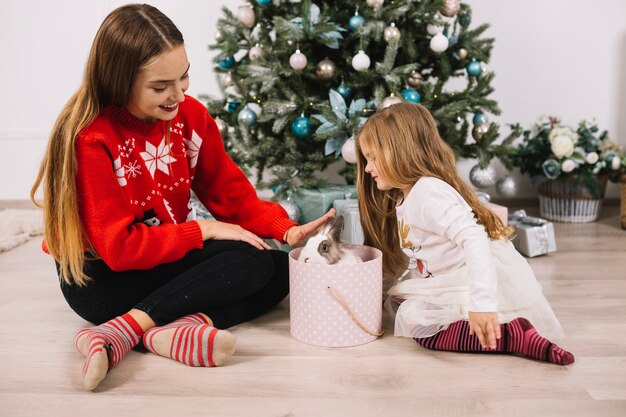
x,y
326,248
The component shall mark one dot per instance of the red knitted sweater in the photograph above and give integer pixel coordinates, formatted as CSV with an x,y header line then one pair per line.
x,y
134,187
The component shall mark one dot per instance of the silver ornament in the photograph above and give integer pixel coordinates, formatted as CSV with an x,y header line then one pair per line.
x,y
391,33
414,79
462,53
221,126
482,177
450,7
292,209
326,69
391,100
507,186
479,131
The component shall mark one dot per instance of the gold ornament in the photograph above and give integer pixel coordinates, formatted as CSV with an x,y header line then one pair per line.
x,y
450,7
479,131
326,69
462,53
221,126
414,79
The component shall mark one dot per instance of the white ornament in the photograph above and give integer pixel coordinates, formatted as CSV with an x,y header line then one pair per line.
x,y
391,100
375,3
439,43
348,151
391,32
255,53
361,61
245,14
298,60
434,29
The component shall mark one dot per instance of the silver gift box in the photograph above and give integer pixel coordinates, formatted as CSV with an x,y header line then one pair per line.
x,y
534,236
352,230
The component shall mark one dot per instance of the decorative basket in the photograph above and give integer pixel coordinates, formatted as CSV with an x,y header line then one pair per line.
x,y
336,305
569,201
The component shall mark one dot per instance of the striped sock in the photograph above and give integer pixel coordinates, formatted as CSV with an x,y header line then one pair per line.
x,y
519,337
104,346
191,340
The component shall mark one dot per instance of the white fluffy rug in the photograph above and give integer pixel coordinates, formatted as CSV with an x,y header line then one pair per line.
x,y
19,225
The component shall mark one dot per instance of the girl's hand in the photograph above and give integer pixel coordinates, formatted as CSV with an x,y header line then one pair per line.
x,y
486,327
212,229
297,235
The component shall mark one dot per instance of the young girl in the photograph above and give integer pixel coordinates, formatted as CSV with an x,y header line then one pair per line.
x,y
122,158
465,288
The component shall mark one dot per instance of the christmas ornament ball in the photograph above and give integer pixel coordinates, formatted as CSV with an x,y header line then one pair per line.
x,y
221,126
232,106
410,94
361,61
391,33
479,130
482,177
345,91
227,79
246,117
297,60
450,7
462,53
245,14
480,118
219,35
391,100
356,22
474,68
226,63
255,53
348,151
414,79
375,3
301,127
326,69
439,43
264,2
507,186
292,209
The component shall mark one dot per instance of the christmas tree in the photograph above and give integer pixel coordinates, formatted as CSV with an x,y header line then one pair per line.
x,y
300,77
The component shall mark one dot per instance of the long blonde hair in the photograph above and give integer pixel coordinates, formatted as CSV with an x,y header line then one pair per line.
x,y
407,146
128,39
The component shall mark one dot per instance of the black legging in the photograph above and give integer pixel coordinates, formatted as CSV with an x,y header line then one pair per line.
x,y
232,282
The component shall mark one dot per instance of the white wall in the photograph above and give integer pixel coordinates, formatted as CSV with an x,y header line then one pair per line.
x,y
562,57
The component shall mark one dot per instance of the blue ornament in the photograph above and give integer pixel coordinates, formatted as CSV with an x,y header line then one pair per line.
x,y
301,127
480,118
345,91
411,94
263,2
232,106
474,69
226,63
247,117
356,22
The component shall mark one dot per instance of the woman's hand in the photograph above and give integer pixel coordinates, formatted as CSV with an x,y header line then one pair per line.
x,y
212,229
297,235
486,327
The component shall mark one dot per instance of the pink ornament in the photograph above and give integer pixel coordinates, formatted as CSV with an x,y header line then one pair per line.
x,y
245,15
297,60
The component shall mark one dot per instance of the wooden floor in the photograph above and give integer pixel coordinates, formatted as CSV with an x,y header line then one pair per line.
x,y
272,374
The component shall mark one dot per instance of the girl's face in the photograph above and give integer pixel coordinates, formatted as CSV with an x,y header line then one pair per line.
x,y
160,87
371,169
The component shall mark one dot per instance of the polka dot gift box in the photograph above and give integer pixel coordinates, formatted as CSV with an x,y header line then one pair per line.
x,y
336,305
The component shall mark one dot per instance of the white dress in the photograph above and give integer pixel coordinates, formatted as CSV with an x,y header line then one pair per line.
x,y
455,268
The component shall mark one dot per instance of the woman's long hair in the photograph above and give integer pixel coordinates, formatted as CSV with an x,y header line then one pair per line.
x,y
126,42
407,146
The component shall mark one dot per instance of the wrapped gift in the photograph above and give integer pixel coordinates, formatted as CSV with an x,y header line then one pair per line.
x,y
315,202
352,230
534,236
501,211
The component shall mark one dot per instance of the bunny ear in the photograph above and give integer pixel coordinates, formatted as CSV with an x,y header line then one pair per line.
x,y
336,226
